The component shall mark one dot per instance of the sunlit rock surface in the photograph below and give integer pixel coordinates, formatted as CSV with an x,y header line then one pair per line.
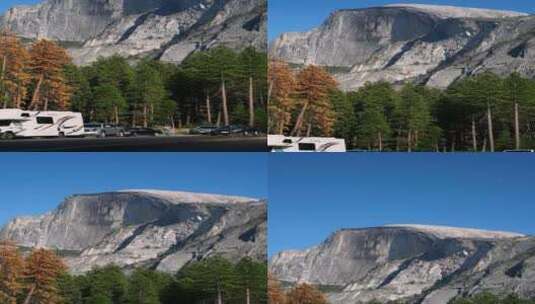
x,y
161,229
165,29
428,44
414,263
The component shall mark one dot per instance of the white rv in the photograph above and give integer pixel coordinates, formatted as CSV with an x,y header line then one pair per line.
x,y
20,123
281,143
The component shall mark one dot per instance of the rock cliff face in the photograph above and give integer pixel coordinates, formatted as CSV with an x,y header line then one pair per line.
x,y
165,29
418,264
164,230
428,44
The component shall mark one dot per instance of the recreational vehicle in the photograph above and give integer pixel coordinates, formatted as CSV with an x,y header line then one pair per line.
x,y
20,123
281,143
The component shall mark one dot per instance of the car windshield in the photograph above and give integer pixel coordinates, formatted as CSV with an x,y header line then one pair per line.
x,y
92,126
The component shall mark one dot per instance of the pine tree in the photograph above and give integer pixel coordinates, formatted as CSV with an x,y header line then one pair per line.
x,y
219,67
81,99
519,93
457,108
254,68
70,288
195,75
345,119
109,102
225,63
143,288
487,90
415,114
211,279
149,90
108,281
373,126
116,72
374,101
252,280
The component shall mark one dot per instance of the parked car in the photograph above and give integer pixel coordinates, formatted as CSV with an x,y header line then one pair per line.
x,y
228,130
202,130
251,131
137,131
104,130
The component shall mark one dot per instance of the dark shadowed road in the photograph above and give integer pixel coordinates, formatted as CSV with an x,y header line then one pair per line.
x,y
138,144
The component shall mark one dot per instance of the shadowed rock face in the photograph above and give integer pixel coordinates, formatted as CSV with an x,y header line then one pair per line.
x,y
419,264
164,230
434,45
166,29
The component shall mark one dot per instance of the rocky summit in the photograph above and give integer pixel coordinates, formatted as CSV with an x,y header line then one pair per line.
x,y
413,263
428,44
158,229
168,30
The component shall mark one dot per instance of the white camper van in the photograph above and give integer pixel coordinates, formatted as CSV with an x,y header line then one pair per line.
x,y
20,123
281,143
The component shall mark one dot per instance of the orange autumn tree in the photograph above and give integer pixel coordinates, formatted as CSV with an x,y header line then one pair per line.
x,y
275,293
306,294
314,85
47,60
11,273
282,85
14,77
43,268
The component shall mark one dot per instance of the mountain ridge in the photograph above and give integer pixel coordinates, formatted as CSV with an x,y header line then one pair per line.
x,y
402,43
130,229
414,265
161,29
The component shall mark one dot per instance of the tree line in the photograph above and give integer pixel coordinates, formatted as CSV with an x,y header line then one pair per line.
x,y
217,86
483,112
304,293
489,298
42,278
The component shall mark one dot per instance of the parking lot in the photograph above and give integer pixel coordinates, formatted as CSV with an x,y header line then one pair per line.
x,y
183,143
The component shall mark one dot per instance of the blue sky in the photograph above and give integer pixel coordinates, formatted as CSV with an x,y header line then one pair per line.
x,y
36,183
5,4
311,196
299,15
